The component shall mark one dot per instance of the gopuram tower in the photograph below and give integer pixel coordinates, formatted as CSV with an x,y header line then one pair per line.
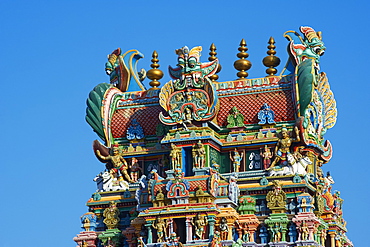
x,y
200,162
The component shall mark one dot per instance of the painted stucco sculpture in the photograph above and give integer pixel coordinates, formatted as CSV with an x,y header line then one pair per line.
x,y
204,162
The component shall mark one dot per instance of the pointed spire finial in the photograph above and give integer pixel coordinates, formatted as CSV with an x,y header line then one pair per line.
x,y
213,57
155,74
242,64
271,61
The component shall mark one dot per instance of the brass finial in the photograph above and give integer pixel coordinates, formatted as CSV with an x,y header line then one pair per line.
x,y
242,64
154,74
213,57
271,61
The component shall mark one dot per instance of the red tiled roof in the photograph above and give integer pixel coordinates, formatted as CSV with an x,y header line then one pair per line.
x,y
280,101
147,117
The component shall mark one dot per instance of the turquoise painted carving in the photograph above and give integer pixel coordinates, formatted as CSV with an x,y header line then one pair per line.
x,y
122,70
191,96
93,110
266,115
316,103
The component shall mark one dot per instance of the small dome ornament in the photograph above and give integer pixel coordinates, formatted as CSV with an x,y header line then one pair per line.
x,y
271,61
155,74
242,64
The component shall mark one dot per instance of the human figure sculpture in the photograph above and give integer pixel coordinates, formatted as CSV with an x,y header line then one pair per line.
x,y
160,226
267,155
224,229
282,148
276,233
199,154
175,157
236,158
304,231
118,162
134,169
200,225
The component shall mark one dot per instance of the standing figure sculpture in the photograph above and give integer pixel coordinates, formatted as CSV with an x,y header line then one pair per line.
x,y
118,162
304,233
134,170
175,157
200,225
236,158
160,226
199,154
282,148
267,155
224,229
276,233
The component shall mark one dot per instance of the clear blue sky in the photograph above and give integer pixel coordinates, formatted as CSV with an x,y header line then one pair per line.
x,y
52,53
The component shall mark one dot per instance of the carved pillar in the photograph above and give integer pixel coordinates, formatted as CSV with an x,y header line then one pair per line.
x,y
211,223
148,226
332,239
189,229
230,230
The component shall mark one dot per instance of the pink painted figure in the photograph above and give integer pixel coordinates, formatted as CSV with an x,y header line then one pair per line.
x,y
267,155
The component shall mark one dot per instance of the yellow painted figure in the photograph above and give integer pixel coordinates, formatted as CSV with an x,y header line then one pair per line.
x,y
118,162
160,226
283,146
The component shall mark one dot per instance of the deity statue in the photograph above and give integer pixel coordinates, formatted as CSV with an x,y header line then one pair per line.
x,y
236,158
200,225
160,226
276,232
199,154
282,148
267,155
134,169
224,229
111,219
175,157
304,231
188,117
118,162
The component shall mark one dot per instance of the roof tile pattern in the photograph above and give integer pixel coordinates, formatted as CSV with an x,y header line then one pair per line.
x,y
280,101
147,117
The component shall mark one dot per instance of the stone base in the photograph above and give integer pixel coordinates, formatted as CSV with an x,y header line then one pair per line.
x,y
89,237
170,174
250,244
306,243
197,242
279,244
227,242
201,171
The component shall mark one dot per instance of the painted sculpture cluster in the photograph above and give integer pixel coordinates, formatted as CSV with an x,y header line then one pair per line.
x,y
199,162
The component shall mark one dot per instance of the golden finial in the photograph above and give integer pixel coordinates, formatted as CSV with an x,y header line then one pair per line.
x,y
154,74
213,57
271,61
242,64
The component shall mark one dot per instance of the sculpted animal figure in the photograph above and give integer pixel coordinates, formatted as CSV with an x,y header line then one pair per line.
x,y
105,182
